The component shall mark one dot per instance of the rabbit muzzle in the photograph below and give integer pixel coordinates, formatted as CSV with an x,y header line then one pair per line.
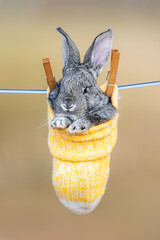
x,y
68,105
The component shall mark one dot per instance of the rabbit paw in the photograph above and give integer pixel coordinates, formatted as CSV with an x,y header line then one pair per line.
x,y
79,126
60,122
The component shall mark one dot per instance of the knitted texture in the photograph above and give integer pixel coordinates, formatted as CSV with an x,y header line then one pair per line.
x,y
81,162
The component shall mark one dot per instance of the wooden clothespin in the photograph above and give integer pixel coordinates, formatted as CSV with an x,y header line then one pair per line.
x,y
113,72
49,74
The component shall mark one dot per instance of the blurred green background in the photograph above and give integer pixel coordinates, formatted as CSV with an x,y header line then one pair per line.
x,y
29,208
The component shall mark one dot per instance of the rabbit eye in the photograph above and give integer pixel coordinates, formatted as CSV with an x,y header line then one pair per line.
x,y
85,90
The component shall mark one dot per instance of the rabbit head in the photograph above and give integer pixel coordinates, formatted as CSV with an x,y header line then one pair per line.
x,y
77,92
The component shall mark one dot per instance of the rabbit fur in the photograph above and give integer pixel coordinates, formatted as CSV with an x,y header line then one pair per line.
x,y
77,102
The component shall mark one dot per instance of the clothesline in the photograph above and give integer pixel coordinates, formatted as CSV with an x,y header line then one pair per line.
x,y
39,91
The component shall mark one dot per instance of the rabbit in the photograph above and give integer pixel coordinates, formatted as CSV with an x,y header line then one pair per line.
x,y
77,102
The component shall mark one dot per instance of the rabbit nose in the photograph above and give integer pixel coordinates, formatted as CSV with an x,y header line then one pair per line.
x,y
68,104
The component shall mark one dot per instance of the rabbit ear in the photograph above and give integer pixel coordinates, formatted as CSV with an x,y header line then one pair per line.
x,y
71,56
97,55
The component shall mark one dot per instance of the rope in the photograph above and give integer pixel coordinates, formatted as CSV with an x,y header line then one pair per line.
x,y
32,91
137,85
38,91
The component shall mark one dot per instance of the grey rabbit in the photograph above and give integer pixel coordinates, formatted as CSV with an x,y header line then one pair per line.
x,y
77,102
